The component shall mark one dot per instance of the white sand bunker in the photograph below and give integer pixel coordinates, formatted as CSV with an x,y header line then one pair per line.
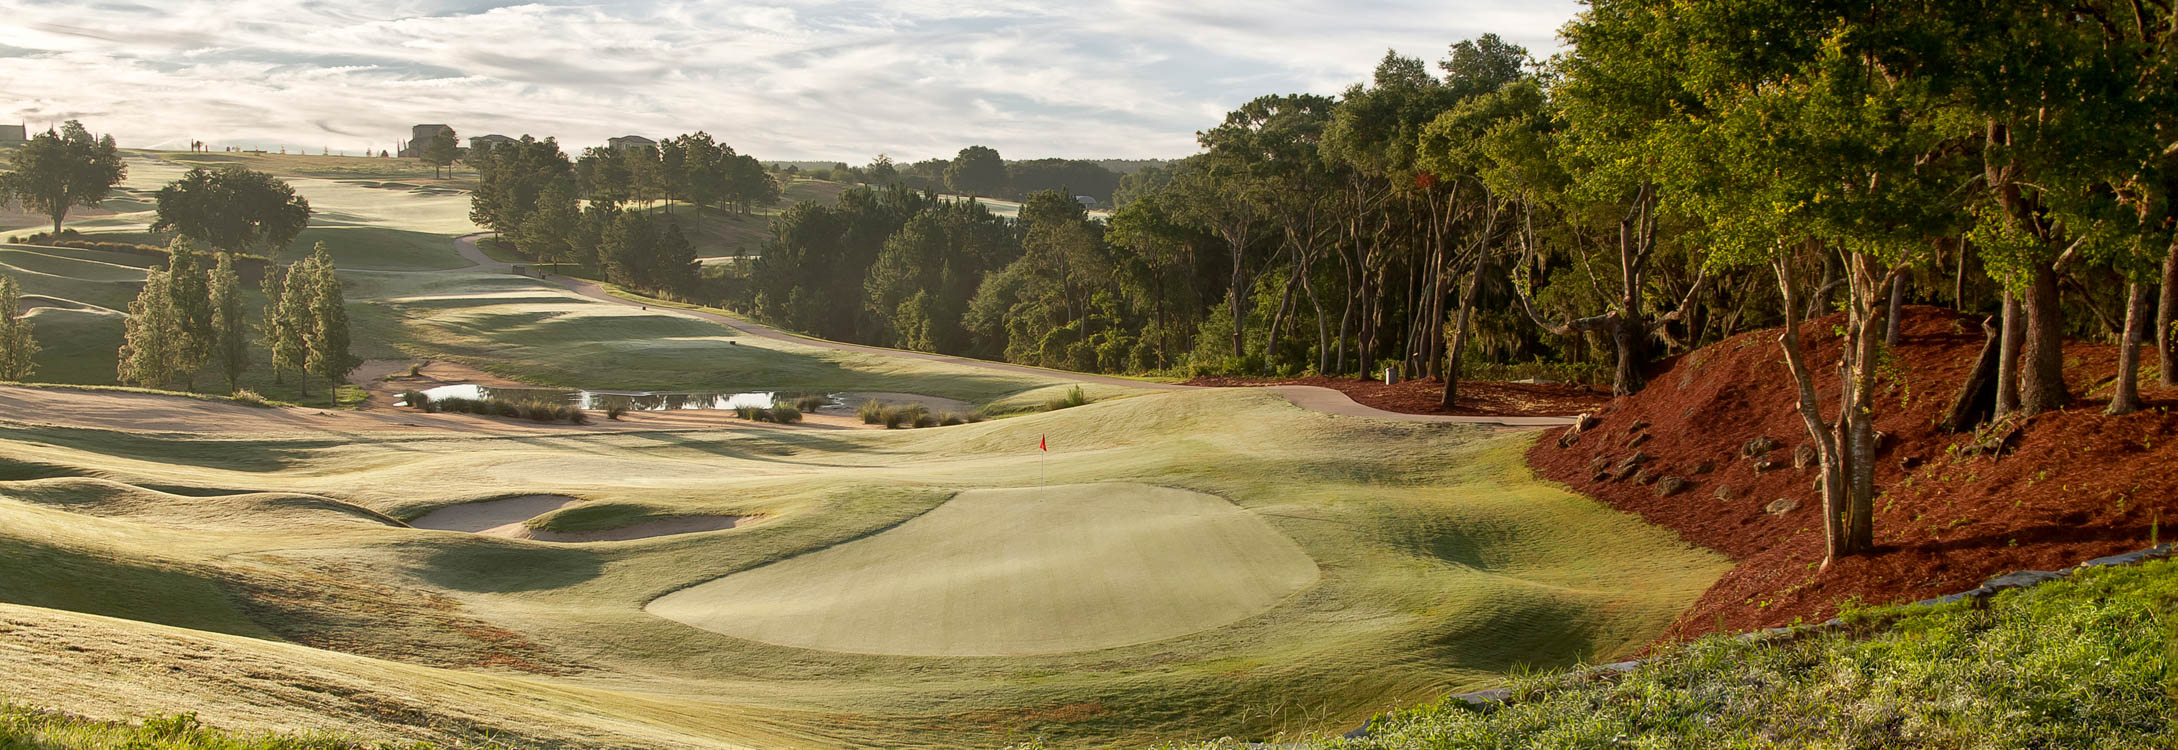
x,y
507,517
1015,572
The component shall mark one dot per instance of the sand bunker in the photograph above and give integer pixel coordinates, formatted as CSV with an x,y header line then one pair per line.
x,y
1015,572
507,517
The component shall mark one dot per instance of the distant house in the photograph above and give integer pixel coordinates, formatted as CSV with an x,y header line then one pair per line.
x,y
419,137
626,142
13,134
1086,201
482,142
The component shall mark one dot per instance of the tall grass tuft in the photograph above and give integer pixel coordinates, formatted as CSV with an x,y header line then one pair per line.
x,y
811,403
871,412
785,413
615,412
746,412
1074,397
247,397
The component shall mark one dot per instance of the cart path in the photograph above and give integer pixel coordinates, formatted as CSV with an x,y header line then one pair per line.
x,y
1313,398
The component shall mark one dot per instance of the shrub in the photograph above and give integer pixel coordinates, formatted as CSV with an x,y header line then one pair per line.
x,y
950,419
247,397
745,412
811,403
460,405
1074,397
978,415
415,371
926,419
615,412
537,412
577,416
503,408
894,416
785,413
871,412
417,400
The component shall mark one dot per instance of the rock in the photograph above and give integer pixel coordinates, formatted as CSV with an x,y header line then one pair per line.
x,y
2021,579
1805,456
1599,464
2129,557
1668,486
1568,439
1724,492
1637,426
1637,440
1624,470
1704,467
1643,477
1638,458
1760,445
1765,465
1585,422
1781,506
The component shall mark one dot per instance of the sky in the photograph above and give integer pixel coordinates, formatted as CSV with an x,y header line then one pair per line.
x,y
837,80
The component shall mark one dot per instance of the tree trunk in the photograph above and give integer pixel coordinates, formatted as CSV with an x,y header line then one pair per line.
x,y
1898,299
1461,332
1626,338
1976,399
1235,289
2014,330
2126,398
2166,321
2042,363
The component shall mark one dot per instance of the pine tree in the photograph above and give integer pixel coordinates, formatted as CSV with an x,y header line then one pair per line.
x,y
192,306
274,286
289,345
327,335
17,348
231,340
147,348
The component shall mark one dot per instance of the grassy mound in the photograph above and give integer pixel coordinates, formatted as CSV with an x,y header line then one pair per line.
x,y
1012,572
2090,662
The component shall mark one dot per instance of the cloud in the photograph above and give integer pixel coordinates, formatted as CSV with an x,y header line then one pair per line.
x,y
783,79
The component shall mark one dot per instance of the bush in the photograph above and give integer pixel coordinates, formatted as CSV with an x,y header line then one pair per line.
x,y
503,408
894,416
745,412
978,415
417,400
537,412
415,371
577,416
615,412
785,413
926,419
1074,397
247,397
950,419
812,403
871,412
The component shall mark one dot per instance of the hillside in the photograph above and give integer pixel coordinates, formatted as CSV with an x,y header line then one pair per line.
x,y
2070,485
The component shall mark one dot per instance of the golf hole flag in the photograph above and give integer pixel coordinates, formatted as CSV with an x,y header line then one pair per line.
x,y
1042,444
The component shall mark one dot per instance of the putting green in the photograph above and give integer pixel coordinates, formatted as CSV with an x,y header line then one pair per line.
x,y
1015,572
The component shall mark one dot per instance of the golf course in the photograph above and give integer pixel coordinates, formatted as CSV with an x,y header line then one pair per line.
x,y
1159,564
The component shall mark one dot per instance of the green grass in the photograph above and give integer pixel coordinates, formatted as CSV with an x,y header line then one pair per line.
x,y
1443,565
2091,662
30,729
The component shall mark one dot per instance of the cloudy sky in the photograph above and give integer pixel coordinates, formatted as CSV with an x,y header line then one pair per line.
x,y
782,79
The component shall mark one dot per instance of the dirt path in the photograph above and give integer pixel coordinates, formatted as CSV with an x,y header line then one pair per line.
x,y
1314,398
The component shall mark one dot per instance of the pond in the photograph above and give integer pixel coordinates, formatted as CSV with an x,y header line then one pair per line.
x,y
630,400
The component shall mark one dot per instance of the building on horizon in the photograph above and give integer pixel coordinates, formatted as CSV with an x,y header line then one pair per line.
x,y
13,134
626,142
482,142
419,137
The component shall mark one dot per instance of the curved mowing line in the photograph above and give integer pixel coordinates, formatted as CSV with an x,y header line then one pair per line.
x,y
1014,572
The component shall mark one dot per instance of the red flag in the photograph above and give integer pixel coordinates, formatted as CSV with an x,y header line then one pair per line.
x,y
1042,445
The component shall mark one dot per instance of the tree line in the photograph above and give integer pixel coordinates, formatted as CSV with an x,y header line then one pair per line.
x,y
979,171
585,211
1683,172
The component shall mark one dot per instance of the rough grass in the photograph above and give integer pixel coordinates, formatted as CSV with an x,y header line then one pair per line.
x,y
1443,564
30,729
2091,662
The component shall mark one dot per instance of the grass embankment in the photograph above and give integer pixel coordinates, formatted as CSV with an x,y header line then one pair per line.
x,y
30,729
2090,662
1443,565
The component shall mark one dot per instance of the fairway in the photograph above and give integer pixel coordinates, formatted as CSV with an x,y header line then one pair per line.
x,y
1015,572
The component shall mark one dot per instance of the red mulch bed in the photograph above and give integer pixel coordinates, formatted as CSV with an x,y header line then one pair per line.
x,y
1477,398
2077,484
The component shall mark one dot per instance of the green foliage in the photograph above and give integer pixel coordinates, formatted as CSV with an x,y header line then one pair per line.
x,y
18,348
1073,397
326,338
152,336
230,326
785,413
233,209
975,171
871,412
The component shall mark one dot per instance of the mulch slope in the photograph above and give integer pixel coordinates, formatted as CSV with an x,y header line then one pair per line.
x,y
1477,398
2074,485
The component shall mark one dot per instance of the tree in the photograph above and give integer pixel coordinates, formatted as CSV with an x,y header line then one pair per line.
x,y
547,233
149,335
191,302
18,349
976,171
233,209
290,335
511,177
57,171
441,150
326,339
231,347
881,172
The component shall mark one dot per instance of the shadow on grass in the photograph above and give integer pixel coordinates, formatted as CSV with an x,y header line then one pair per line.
x,y
491,566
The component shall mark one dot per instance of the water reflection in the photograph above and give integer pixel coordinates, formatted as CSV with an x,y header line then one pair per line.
x,y
630,400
